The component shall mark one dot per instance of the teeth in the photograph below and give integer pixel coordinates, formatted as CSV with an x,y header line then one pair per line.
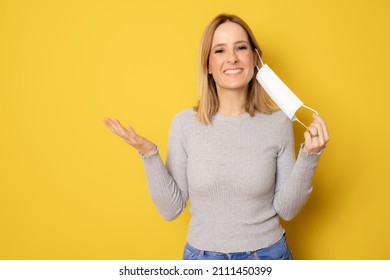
x,y
233,71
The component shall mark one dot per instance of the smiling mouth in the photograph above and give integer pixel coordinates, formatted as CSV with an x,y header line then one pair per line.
x,y
233,71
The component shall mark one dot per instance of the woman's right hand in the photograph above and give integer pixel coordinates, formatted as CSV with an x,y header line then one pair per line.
x,y
143,145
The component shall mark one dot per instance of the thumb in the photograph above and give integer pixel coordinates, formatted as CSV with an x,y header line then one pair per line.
x,y
132,131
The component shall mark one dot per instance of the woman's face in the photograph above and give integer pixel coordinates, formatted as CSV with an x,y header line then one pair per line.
x,y
231,60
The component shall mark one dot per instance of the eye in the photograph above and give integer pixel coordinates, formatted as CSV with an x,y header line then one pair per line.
x,y
218,51
242,47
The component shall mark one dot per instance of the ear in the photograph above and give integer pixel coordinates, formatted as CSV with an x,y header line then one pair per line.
x,y
255,59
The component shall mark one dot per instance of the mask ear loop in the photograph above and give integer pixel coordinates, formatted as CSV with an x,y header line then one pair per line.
x,y
307,107
294,118
258,55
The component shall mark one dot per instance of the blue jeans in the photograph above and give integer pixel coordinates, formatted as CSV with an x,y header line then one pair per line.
x,y
277,251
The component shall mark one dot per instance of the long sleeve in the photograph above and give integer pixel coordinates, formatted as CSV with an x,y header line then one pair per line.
x,y
293,177
240,174
167,184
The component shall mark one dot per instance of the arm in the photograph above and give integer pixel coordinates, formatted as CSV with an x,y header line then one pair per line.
x,y
168,184
294,178
163,182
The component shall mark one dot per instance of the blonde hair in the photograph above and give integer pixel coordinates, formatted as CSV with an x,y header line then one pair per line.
x,y
208,104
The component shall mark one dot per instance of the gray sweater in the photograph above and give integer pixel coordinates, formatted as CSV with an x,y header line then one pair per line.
x,y
240,173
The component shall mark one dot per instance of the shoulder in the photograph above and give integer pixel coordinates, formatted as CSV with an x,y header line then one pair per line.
x,y
186,114
276,118
283,126
277,125
184,118
181,123
277,115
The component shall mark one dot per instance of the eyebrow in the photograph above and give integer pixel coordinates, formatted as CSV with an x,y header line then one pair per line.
x,y
223,44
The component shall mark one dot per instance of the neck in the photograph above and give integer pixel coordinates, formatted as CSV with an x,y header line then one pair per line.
x,y
232,102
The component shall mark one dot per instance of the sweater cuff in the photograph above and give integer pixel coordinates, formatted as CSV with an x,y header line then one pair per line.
x,y
155,152
311,153
309,159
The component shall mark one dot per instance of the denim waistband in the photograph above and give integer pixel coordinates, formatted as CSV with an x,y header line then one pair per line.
x,y
277,250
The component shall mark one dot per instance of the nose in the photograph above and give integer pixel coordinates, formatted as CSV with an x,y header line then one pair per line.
x,y
232,58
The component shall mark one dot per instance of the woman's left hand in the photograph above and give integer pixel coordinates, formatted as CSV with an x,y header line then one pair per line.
x,y
316,135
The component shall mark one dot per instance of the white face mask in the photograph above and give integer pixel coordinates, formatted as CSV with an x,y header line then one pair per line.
x,y
287,101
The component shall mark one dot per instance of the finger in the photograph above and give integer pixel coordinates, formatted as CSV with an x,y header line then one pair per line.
x,y
114,126
311,143
132,131
320,132
107,122
308,141
118,125
308,138
312,129
138,139
111,125
122,131
133,135
324,126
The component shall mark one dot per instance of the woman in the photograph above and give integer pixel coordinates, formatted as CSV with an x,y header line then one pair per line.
x,y
232,156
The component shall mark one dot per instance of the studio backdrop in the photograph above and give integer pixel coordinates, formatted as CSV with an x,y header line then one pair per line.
x,y
70,189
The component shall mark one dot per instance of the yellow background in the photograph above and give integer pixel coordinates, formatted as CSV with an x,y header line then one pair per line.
x,y
70,189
